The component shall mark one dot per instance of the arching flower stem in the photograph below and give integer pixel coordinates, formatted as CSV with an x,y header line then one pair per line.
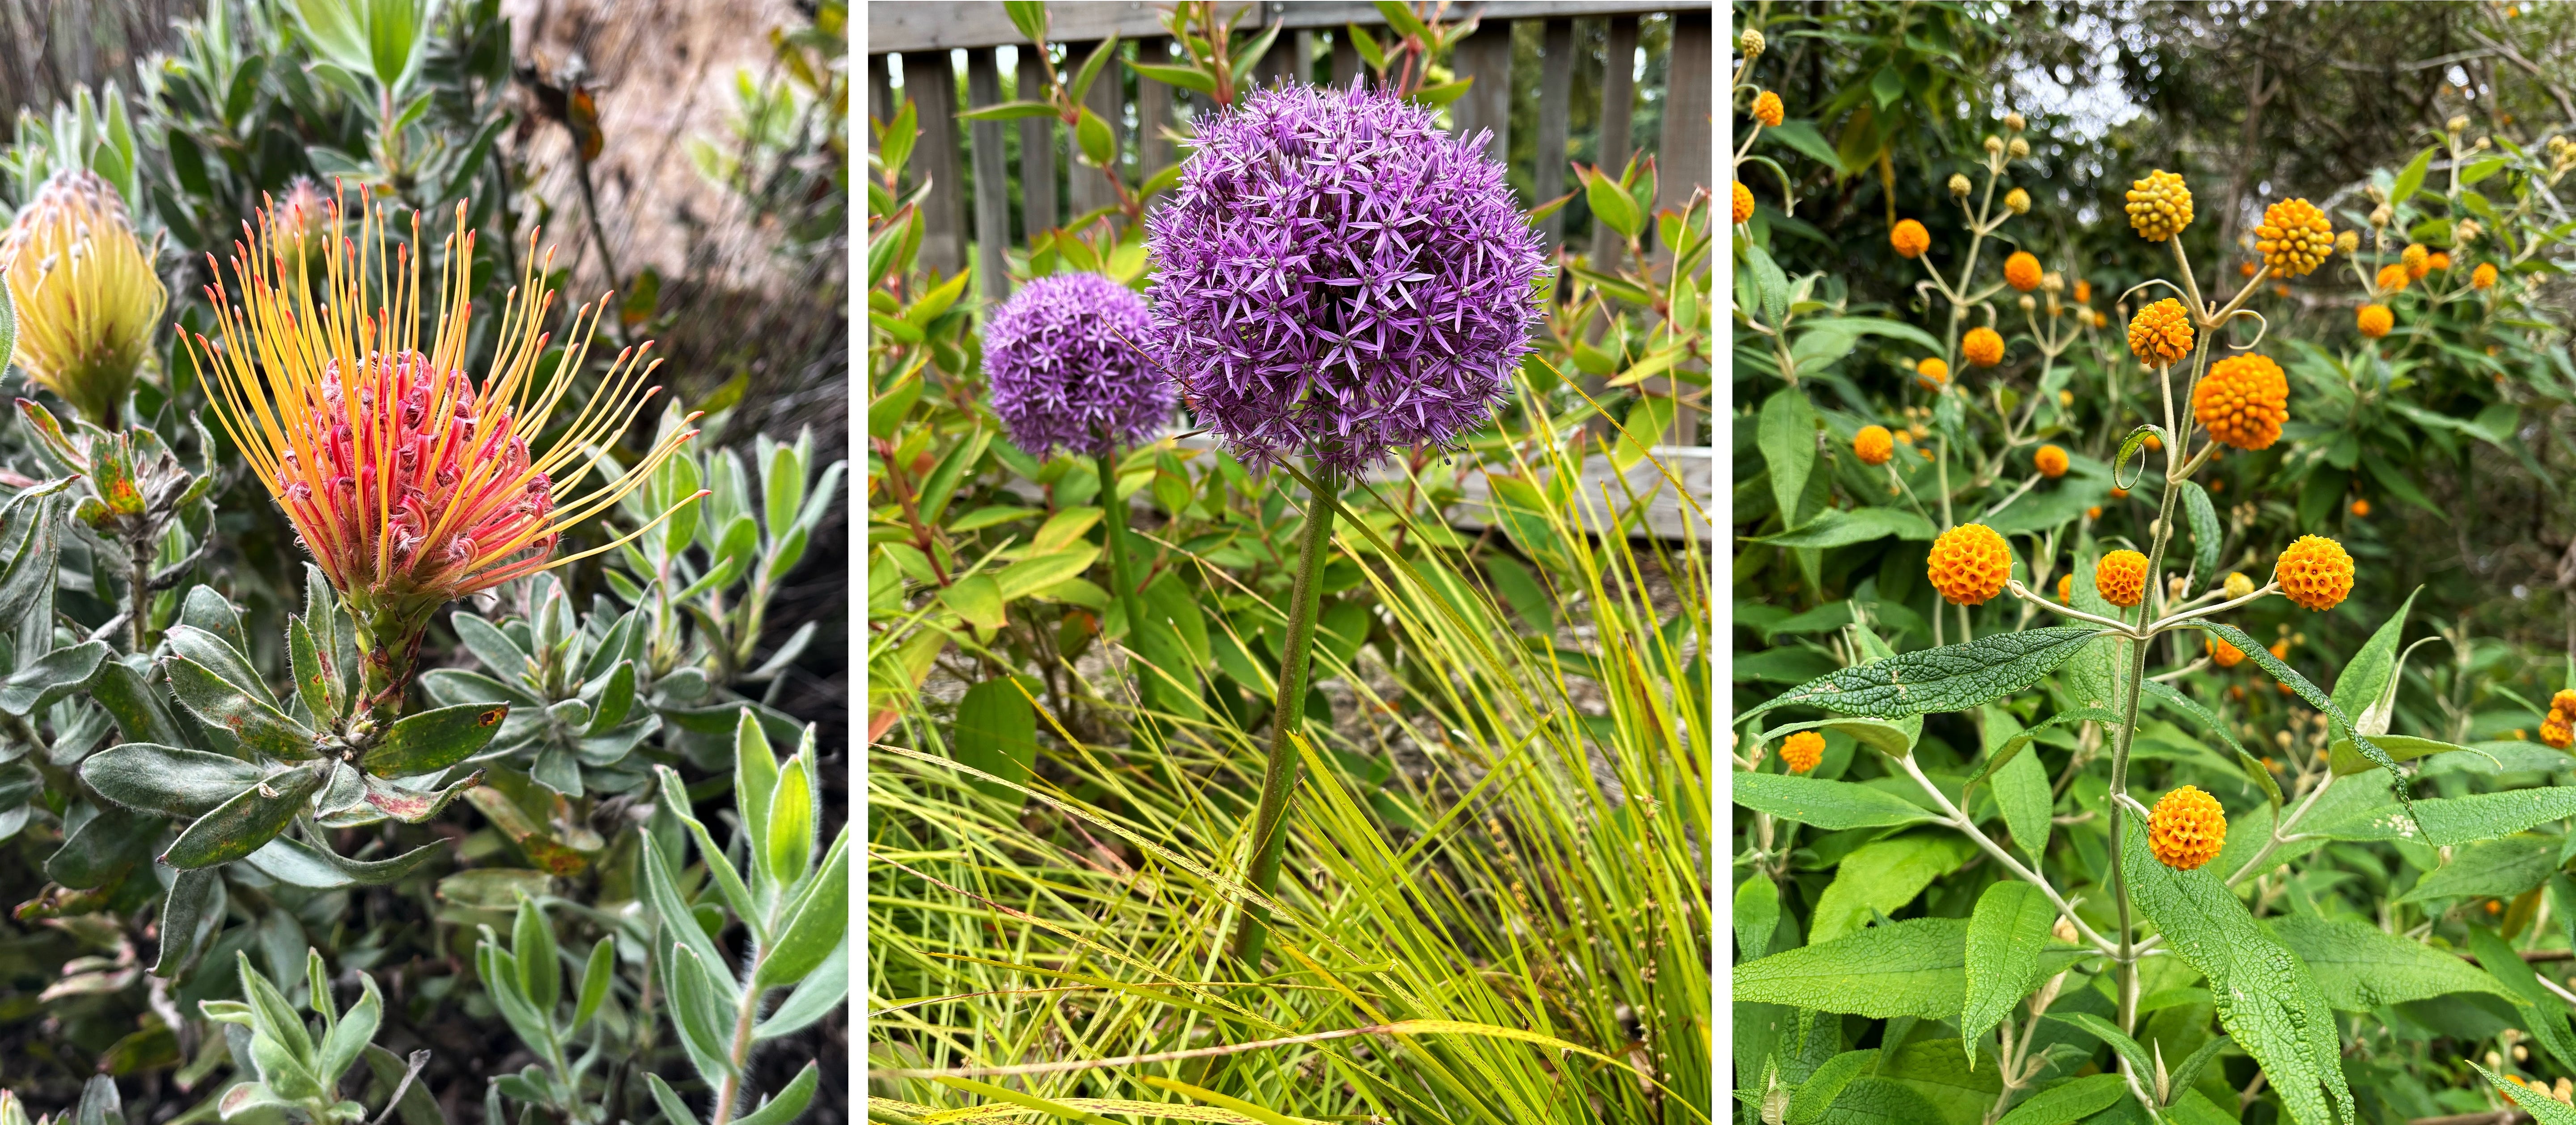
x,y
1279,775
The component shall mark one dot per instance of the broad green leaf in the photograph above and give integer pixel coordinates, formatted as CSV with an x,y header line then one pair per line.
x,y
1883,876
1836,528
1872,1100
2005,935
1030,575
2364,676
1950,678
2267,1000
2544,1110
51,678
821,991
2411,177
996,732
2345,758
977,599
2318,699
596,975
790,841
166,779
133,704
813,925
1788,441
1910,968
1756,915
1830,805
2362,968
1894,739
1818,1093
220,704
2489,869
2069,1101
789,1103
1937,1067
532,945
2206,533
426,742
2543,1013
195,899
2121,1045
312,684
2461,820
105,847
350,1035
245,823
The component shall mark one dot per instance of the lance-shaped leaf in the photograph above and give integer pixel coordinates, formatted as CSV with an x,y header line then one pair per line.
x,y
2543,1014
499,969
412,806
616,698
814,922
27,523
532,943
315,683
2119,1041
367,872
1950,678
218,656
596,975
1910,968
190,911
2543,1109
698,1009
219,703
429,741
119,687
2005,936
2174,700
2316,698
102,848
244,824
147,777
51,678
2363,968
821,991
455,685
1829,805
789,1103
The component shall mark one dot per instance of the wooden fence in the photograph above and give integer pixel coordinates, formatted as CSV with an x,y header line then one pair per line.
x,y
927,38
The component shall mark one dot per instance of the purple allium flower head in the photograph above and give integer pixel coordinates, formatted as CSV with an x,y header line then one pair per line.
x,y
1065,370
1337,271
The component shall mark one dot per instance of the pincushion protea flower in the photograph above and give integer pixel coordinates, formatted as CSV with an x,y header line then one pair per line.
x,y
410,485
85,292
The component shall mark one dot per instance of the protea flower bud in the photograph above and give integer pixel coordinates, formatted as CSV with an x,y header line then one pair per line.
x,y
295,221
410,485
86,296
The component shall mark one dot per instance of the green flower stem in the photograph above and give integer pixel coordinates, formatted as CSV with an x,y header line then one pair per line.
x,y
1122,573
1279,776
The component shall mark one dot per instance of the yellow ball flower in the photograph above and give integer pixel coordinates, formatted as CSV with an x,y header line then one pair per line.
x,y
2393,278
2414,255
2565,700
2186,829
2051,461
1932,372
2348,242
1969,564
1803,752
1743,203
2483,277
2159,206
2557,731
2022,271
2361,508
1910,239
2225,654
1874,445
2121,576
2160,335
86,295
2374,320
2017,201
2243,401
1768,110
2237,585
1983,347
2315,572
2294,237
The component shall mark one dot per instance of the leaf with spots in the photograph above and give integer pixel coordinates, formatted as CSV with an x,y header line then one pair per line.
x,y
430,741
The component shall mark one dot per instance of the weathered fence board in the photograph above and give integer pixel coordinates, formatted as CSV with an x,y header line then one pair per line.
x,y
992,179
921,27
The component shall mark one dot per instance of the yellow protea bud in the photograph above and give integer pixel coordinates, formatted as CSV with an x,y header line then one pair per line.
x,y
2159,206
2243,401
2022,271
2294,237
1969,564
2017,201
86,295
1803,752
2314,572
2051,461
1752,43
1874,445
2121,576
1982,347
2237,585
2186,829
2161,334
2374,321
1743,203
1958,185
1909,239
1768,110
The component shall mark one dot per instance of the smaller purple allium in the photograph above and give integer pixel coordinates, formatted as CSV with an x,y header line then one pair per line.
x,y
1339,274
1062,358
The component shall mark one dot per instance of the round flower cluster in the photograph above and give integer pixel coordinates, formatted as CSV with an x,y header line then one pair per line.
x,y
2483,277
2315,572
2051,461
2121,576
2393,278
2437,262
2237,585
1932,372
2066,588
2361,507
2294,238
1743,203
2418,259
2243,401
1061,356
1342,275
1874,445
1910,239
2160,335
1768,110
2186,829
2374,321
2227,655
1969,564
1803,752
2017,201
2559,729
2159,206
1753,44
2022,271
1982,347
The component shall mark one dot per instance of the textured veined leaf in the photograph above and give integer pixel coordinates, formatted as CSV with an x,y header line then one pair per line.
x,y
2489,869
1829,805
1894,739
2206,533
2316,698
1818,1093
2459,820
2543,1109
1757,916
2345,758
1884,876
167,779
2367,673
428,741
2069,1101
2121,1045
2267,1000
1937,1068
2362,967
2174,700
2543,1014
1950,678
242,825
1911,968
2005,936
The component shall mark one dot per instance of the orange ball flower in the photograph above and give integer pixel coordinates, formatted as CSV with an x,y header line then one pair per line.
x,y
2393,278
2119,494
1768,110
1983,347
2557,731
2243,401
2295,237
1910,239
2122,578
2186,829
2439,262
2083,292
1969,564
1803,752
2565,700
2483,277
1874,445
1931,372
2415,255
2093,513
2315,572
2361,508
2066,588
2227,655
1743,203
2051,461
2022,271
2161,335
2374,321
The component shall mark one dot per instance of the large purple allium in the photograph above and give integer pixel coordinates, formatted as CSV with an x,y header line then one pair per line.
x,y
1062,358
1339,272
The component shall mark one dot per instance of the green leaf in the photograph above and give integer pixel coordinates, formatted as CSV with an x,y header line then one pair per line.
x,y
2447,821
1788,440
1894,739
1091,67
245,823
2543,1013
1835,527
977,598
52,678
2022,792
2070,1101
426,742
822,990
1830,805
1822,1088
1099,145
532,944
2345,758
2362,968
2005,935
350,1035
697,1009
996,733
136,709
1950,678
1910,968
195,899
2118,1041
167,779
788,1104
2206,534
2173,698
1612,204
1038,572
1009,111
1756,915
2367,674
1885,875
1185,77
2544,1110
224,706
2261,655
2266,999
790,840
813,925
666,1099
8,329
2411,177
2489,869
314,685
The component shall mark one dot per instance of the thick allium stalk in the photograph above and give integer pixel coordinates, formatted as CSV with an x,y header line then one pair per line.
x,y
86,295
410,485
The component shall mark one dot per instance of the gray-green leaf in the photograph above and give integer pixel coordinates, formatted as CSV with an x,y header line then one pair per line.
x,y
1950,678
